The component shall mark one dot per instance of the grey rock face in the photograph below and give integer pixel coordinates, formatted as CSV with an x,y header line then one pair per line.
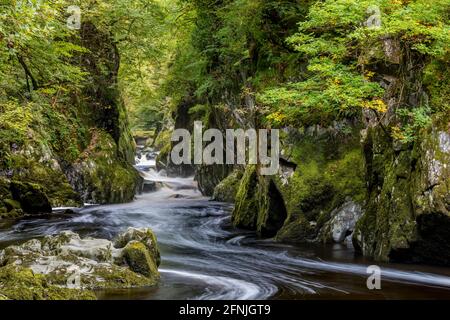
x,y
72,262
343,221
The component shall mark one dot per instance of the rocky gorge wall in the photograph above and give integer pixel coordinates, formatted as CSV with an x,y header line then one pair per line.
x,y
355,182
78,150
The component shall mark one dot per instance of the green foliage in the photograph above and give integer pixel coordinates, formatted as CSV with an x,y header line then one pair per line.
x,y
333,91
413,120
341,50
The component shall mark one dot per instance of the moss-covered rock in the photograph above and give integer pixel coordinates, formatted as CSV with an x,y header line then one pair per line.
x,y
143,235
408,212
140,260
19,283
246,205
227,189
100,176
67,261
329,170
31,197
259,204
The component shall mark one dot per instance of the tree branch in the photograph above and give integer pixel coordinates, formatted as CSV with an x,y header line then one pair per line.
x,y
27,72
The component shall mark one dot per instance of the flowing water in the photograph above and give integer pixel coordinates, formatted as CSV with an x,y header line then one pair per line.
x,y
203,257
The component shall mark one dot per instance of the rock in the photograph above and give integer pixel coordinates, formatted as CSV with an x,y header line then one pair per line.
x,y
407,217
149,186
227,189
11,204
139,259
31,197
342,223
102,177
67,261
143,235
296,230
19,283
209,176
259,204
245,213
96,249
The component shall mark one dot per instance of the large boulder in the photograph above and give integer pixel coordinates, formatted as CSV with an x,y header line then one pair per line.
x,y
227,189
144,236
259,204
139,259
342,224
69,262
31,197
245,210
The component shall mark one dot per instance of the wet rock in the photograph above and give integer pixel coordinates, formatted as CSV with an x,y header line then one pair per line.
x,y
342,223
227,189
31,197
407,216
68,261
149,186
143,235
139,259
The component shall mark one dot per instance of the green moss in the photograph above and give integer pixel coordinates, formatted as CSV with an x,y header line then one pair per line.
x,y
297,230
120,278
31,197
145,236
11,204
388,222
227,189
330,169
245,210
17,283
163,157
139,259
163,139
108,179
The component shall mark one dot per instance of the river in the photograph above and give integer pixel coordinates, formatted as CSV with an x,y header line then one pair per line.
x,y
203,257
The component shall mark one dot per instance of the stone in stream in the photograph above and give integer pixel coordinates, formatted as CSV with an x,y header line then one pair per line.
x,y
342,224
149,186
65,266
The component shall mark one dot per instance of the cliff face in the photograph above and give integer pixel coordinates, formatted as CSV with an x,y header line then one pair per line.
x,y
77,149
408,208
391,195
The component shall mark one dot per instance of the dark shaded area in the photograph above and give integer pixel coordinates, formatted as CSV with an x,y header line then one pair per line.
x,y
277,212
31,197
433,246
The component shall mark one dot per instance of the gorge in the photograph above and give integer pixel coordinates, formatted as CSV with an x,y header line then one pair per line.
x,y
86,151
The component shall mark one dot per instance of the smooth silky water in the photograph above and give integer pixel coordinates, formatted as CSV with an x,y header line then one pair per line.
x,y
203,257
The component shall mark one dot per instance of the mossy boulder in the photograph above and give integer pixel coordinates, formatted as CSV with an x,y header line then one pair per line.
x,y
100,176
227,189
19,283
259,204
245,210
31,197
143,235
65,261
140,260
